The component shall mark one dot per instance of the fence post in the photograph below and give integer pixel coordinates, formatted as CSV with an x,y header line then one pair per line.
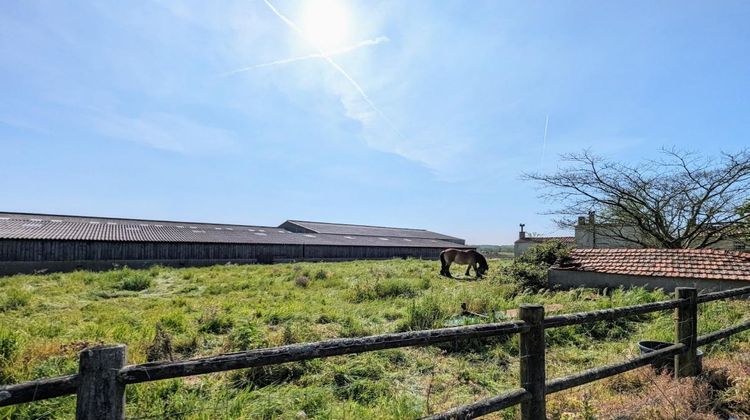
x,y
100,395
532,362
686,364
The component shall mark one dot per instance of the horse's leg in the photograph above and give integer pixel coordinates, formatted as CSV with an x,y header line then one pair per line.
x,y
467,269
448,270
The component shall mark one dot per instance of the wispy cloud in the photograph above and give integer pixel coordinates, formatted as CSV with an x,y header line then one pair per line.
x,y
164,131
544,142
345,50
338,68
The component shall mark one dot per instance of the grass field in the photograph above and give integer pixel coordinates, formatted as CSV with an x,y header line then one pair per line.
x,y
45,320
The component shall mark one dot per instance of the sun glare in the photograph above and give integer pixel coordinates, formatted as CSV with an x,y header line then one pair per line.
x,y
325,23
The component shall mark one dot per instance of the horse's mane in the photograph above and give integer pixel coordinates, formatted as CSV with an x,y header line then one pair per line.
x,y
482,260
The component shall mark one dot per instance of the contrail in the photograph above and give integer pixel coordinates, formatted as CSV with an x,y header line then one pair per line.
x,y
335,65
365,43
544,142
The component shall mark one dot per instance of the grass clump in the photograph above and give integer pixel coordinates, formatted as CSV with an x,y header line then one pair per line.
x,y
135,282
385,289
246,336
213,322
161,347
10,344
15,298
302,281
262,376
423,314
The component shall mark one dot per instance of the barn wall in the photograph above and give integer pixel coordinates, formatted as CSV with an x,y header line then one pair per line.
x,y
28,256
569,279
41,250
327,252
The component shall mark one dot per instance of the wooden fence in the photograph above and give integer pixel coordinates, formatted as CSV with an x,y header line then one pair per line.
x,y
100,382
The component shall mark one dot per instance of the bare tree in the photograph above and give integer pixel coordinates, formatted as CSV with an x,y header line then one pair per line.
x,y
682,200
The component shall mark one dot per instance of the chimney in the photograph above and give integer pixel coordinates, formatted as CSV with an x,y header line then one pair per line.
x,y
592,217
581,220
522,234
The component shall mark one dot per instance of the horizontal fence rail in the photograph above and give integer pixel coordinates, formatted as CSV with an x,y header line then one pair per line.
x,y
518,396
608,314
708,297
298,352
40,389
95,377
718,335
485,406
595,374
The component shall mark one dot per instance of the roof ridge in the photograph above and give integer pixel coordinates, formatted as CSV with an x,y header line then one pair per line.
x,y
135,220
354,224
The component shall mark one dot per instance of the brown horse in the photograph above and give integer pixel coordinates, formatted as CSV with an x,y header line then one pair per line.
x,y
468,257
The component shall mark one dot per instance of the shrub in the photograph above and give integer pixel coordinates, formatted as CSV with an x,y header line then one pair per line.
x,y
546,253
529,270
321,275
527,275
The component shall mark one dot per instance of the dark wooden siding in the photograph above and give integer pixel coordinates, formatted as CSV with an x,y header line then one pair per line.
x,y
33,250
46,250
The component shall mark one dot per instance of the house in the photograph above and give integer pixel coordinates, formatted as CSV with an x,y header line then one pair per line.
x,y
590,234
33,242
705,269
525,242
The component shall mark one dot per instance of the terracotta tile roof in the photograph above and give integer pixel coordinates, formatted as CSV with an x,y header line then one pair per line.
x,y
685,263
540,239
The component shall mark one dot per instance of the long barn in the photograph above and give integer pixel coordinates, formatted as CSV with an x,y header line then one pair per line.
x,y
35,242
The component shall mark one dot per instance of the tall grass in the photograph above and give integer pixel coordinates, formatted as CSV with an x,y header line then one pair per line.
x,y
219,309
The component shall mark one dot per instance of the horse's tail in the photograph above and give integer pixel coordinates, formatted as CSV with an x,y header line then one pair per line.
x,y
442,260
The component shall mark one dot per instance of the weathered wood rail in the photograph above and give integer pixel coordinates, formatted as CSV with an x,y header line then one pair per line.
x,y
100,383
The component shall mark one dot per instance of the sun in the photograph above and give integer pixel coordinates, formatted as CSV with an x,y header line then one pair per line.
x,y
325,23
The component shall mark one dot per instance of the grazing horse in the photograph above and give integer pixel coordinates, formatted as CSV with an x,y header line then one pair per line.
x,y
468,257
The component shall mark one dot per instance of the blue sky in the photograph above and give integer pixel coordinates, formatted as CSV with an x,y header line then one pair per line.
x,y
415,114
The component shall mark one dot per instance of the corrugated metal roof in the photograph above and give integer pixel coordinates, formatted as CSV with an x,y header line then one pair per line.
x,y
54,227
364,230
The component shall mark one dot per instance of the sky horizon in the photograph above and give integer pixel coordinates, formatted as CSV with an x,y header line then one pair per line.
x,y
406,114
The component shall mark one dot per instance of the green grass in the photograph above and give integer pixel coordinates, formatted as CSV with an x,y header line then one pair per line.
x,y
45,320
